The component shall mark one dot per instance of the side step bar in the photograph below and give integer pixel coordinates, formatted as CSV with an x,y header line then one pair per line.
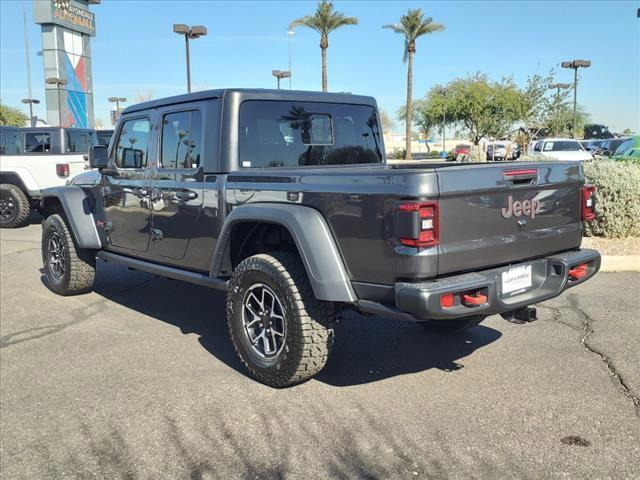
x,y
164,271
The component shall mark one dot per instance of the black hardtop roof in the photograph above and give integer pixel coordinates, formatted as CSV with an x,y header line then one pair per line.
x,y
44,129
255,94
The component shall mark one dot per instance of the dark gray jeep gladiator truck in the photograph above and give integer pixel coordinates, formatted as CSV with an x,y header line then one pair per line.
x,y
284,200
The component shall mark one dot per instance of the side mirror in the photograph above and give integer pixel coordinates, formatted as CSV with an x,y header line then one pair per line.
x,y
98,157
606,153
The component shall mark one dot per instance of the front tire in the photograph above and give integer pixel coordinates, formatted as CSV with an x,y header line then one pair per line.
x,y
69,270
14,206
452,326
280,331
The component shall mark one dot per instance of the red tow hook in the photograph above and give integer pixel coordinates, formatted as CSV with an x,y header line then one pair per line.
x,y
579,272
473,300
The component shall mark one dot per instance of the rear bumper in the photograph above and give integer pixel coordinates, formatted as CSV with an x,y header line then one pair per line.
x,y
550,277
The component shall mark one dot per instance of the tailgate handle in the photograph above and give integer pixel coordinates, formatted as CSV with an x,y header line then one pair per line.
x,y
522,176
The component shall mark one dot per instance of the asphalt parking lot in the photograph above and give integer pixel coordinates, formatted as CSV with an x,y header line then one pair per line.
x,y
139,380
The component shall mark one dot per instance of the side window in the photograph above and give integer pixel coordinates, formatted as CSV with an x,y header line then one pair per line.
x,y
11,142
37,142
78,142
537,147
131,148
181,139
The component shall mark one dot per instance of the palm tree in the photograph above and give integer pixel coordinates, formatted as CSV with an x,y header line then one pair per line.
x,y
324,21
412,25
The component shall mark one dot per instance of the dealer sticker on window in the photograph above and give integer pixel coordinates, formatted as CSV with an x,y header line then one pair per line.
x,y
516,279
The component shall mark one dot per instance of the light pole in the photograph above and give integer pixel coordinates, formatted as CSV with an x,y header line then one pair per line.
x,y
558,87
290,34
443,92
117,101
280,74
31,101
196,31
575,65
58,82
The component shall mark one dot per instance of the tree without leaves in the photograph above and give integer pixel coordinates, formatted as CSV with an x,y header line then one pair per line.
x,y
324,21
143,95
412,25
386,121
12,116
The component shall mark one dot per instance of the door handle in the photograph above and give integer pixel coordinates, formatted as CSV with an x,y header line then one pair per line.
x,y
185,195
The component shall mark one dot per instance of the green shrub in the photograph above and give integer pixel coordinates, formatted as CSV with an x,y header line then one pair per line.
x,y
618,205
400,154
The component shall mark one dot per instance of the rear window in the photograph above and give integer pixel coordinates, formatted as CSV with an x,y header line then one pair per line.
x,y
79,142
104,138
298,134
562,146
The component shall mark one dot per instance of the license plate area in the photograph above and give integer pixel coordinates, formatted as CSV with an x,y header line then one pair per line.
x,y
516,280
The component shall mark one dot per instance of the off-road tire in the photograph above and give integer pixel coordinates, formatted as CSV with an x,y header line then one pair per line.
x,y
80,271
21,206
308,334
452,326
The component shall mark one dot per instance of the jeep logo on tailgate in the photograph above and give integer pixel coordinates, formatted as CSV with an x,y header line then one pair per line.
x,y
518,208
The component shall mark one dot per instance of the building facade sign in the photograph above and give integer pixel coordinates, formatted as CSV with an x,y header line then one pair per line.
x,y
66,13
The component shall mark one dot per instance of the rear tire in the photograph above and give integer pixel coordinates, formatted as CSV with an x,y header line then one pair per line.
x,y
69,270
452,326
280,331
14,206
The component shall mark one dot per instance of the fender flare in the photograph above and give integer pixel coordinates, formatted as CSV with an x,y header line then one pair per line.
x,y
78,214
26,181
310,232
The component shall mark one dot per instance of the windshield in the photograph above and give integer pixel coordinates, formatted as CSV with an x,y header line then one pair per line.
x,y
562,146
624,146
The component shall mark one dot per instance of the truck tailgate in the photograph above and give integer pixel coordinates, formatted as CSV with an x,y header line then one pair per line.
x,y
498,214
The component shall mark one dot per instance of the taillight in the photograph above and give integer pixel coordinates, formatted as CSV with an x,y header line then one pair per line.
x,y
62,169
589,203
578,272
417,224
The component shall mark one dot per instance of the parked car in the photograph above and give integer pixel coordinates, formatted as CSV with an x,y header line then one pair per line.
x,y
502,150
610,145
104,136
595,130
204,188
461,149
496,151
628,150
561,149
32,159
593,146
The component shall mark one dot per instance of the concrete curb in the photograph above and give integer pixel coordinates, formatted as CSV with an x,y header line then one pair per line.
x,y
620,263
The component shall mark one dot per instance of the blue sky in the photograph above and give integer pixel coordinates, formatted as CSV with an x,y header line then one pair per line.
x,y
135,49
